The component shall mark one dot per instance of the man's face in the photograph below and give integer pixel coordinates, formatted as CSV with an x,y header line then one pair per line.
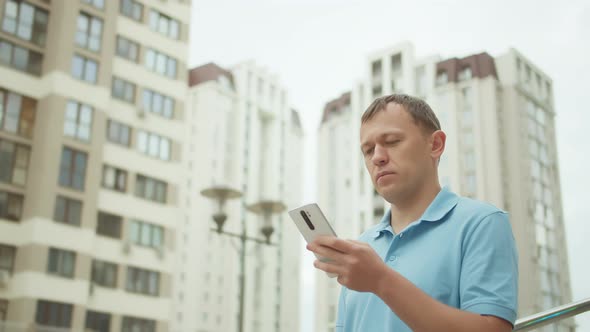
x,y
397,153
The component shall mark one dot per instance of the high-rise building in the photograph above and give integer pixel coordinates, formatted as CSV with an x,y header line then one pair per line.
x,y
499,118
91,128
243,135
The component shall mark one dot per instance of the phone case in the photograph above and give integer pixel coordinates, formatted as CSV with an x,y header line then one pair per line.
x,y
311,223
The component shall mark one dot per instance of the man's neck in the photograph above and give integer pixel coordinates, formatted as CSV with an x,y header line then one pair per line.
x,y
407,210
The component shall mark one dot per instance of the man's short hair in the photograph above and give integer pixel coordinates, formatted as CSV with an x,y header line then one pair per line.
x,y
420,111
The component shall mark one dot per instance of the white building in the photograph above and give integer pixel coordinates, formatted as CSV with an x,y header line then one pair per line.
x,y
91,129
242,135
498,116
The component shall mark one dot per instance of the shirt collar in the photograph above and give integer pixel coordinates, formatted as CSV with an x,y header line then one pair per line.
x,y
442,204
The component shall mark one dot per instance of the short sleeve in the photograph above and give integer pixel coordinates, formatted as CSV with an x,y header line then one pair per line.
x,y
341,310
489,269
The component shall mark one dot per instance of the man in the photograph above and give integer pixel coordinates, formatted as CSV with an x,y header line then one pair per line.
x,y
437,261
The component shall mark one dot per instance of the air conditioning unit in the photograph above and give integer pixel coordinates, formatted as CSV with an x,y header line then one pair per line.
x,y
4,277
140,112
126,246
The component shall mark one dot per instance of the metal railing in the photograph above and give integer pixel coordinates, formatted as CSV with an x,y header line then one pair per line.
x,y
552,315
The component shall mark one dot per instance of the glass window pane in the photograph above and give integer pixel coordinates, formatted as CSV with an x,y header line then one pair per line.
x,y
6,161
13,108
163,25
125,135
164,149
150,59
21,58
25,26
150,189
154,145
9,21
160,63
153,21
134,234
75,211
157,103
168,107
142,141
147,100
77,66
157,236
91,71
146,235
5,52
171,69
174,29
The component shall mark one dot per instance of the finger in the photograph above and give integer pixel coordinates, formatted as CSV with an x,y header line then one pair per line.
x,y
335,243
329,253
327,267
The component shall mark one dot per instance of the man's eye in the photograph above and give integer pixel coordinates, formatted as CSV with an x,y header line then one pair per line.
x,y
392,142
368,151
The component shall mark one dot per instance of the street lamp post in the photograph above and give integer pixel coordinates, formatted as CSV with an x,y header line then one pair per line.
x,y
265,208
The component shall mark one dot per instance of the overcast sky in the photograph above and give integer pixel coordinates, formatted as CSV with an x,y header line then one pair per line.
x,y
318,47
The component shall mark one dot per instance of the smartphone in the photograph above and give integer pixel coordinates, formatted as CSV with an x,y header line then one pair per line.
x,y
311,223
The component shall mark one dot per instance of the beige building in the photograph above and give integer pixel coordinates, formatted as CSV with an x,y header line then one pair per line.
x,y
91,129
248,138
499,118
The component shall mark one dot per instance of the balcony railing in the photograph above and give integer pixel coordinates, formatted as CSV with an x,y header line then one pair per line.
x,y
552,315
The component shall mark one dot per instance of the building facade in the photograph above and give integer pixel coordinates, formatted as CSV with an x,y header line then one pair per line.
x,y
246,137
91,128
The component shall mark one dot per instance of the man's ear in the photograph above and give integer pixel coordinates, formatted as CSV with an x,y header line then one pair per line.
x,y
437,144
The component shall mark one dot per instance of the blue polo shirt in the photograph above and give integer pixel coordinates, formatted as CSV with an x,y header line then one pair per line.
x,y
461,252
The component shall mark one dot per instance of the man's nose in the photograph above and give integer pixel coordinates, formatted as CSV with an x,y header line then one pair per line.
x,y
379,155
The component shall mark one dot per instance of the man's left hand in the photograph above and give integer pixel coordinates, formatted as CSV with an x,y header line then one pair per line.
x,y
357,265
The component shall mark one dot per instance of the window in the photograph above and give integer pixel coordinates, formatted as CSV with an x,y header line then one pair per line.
x,y
14,162
7,254
123,90
20,58
132,9
104,273
160,63
3,309
150,188
84,69
442,78
54,314
465,74
72,169
127,49
114,178
109,225
146,234
11,206
142,281
98,321
78,121
95,3
131,324
89,32
164,24
68,210
25,21
17,113
467,97
61,262
118,133
157,103
153,145
467,118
